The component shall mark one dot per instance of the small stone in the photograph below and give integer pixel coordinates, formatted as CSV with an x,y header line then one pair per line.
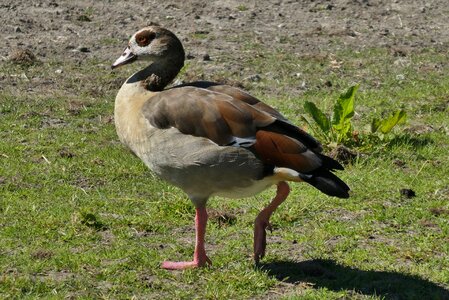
x,y
17,29
58,71
206,57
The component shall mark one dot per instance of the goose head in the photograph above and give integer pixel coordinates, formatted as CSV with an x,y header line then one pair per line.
x,y
155,44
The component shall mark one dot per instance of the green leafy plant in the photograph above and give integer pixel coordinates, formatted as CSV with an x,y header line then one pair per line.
x,y
386,125
242,8
339,128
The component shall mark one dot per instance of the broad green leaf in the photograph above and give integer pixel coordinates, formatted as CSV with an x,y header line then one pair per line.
x,y
343,131
317,132
318,116
344,108
343,112
306,121
387,124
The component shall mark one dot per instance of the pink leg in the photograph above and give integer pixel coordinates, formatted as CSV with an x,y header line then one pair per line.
x,y
200,258
263,220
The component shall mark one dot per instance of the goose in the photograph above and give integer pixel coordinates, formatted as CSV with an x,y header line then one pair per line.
x,y
211,139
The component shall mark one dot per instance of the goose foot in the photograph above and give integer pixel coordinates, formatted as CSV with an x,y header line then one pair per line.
x,y
260,237
200,258
181,265
263,221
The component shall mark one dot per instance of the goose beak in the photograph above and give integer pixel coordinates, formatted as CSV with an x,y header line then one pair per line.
x,y
126,58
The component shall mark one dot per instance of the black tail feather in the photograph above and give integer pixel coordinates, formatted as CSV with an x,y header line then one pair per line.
x,y
328,183
330,163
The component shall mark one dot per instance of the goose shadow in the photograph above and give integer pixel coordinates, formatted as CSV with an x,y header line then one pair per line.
x,y
333,276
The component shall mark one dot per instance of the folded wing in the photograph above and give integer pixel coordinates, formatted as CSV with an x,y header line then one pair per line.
x,y
228,116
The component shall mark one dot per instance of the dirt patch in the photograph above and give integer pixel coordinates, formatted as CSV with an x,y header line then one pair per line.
x,y
343,154
59,276
42,254
22,56
438,211
217,34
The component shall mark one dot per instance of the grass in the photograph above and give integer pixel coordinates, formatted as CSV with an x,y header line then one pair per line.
x,y
80,217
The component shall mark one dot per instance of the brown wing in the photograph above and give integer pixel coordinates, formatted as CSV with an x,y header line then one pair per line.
x,y
204,113
223,118
281,125
282,151
236,94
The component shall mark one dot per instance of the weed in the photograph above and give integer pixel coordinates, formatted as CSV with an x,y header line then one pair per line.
x,y
242,7
340,129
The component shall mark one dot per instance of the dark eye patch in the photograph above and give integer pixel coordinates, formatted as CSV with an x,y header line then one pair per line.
x,y
144,38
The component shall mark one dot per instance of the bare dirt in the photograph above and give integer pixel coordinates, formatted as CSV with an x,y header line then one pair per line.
x,y
76,30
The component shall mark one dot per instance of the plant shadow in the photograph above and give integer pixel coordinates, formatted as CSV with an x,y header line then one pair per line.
x,y
411,140
333,276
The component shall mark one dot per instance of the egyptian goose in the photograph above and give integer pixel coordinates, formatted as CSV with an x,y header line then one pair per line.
x,y
212,140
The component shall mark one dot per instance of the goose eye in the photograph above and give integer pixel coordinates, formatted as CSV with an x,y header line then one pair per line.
x,y
144,38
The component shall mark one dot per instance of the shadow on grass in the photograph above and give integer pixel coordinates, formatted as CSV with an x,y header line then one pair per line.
x,y
332,276
411,140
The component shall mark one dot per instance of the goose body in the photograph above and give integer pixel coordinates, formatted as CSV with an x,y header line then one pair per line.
x,y
210,139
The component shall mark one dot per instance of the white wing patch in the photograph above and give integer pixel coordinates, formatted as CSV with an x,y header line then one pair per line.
x,y
242,142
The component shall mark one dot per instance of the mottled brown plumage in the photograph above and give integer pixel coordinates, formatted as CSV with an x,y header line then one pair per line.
x,y
200,112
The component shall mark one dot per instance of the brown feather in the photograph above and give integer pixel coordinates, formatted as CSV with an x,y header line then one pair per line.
x,y
282,151
200,112
238,94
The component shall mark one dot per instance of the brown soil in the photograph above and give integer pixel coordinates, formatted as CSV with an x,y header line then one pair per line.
x,y
73,30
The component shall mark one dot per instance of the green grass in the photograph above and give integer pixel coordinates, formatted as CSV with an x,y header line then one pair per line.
x,y
80,217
